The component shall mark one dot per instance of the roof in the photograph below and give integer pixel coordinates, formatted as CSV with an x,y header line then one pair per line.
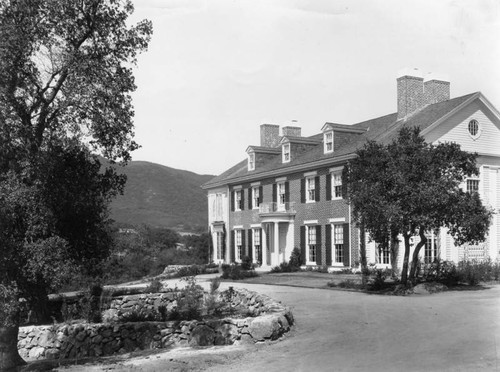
x,y
382,129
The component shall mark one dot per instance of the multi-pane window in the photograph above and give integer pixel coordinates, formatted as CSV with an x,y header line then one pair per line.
x,y
255,197
472,186
338,243
251,161
384,254
239,245
337,185
310,189
238,202
329,142
286,153
281,193
257,246
219,245
431,249
311,243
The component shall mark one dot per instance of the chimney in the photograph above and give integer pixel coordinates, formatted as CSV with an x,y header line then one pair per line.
x,y
269,135
410,92
436,89
292,130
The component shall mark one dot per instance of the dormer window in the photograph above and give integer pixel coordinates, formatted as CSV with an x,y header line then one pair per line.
x,y
251,161
286,152
328,141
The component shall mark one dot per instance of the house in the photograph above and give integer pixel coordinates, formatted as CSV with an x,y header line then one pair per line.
x,y
288,191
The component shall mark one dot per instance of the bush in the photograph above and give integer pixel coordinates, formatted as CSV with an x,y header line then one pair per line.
x,y
295,260
9,306
235,272
190,300
154,286
444,272
379,277
246,263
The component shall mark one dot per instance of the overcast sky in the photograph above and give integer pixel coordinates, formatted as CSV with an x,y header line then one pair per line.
x,y
217,69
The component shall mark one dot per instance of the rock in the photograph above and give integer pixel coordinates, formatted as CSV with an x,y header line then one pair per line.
x,y
52,354
202,335
265,327
36,352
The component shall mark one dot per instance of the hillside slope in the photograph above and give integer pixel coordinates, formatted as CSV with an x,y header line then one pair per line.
x,y
162,197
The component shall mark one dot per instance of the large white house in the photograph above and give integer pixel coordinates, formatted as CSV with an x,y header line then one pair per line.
x,y
286,193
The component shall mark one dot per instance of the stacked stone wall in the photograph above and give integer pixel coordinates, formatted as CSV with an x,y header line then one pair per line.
x,y
63,341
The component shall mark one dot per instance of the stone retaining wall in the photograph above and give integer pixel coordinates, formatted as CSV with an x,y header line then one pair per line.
x,y
88,340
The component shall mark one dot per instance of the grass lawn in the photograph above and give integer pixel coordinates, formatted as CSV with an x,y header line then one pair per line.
x,y
306,279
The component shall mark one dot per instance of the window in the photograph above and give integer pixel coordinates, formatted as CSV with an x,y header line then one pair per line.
x,y
338,243
310,189
474,129
281,193
328,139
472,186
219,245
286,153
255,197
238,200
384,254
257,246
311,244
239,245
431,249
251,161
337,185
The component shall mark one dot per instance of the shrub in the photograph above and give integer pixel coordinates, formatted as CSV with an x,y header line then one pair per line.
x,y
379,276
246,263
440,271
235,272
140,314
214,285
154,286
9,306
190,300
295,259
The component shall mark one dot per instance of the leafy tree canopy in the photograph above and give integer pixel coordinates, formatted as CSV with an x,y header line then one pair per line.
x,y
65,98
411,187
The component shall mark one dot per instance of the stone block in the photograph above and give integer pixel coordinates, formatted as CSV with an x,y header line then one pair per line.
x,y
264,327
36,352
202,335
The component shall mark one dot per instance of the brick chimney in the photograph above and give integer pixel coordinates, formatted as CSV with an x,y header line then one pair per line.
x,y
436,89
269,135
410,85
292,130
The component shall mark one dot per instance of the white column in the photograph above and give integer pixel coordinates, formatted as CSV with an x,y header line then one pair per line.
x,y
263,244
277,243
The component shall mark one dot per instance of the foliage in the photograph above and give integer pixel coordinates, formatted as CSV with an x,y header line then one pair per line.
x,y
235,272
155,286
246,263
295,259
441,271
411,187
214,285
190,300
65,98
474,272
379,277
9,306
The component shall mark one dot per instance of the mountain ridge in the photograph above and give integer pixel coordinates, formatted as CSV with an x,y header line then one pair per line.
x,y
161,196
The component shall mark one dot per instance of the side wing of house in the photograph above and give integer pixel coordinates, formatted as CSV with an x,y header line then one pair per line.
x,y
476,127
218,218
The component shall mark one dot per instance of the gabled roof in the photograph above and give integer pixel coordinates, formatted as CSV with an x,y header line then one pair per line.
x,y
382,129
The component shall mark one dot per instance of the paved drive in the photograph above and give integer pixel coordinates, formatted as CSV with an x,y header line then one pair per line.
x,y
349,331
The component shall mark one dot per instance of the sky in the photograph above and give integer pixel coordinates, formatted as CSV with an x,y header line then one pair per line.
x,y
216,70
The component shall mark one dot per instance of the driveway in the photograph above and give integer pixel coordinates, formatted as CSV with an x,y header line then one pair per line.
x,y
350,331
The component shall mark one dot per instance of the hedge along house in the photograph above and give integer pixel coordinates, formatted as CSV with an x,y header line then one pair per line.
x,y
288,192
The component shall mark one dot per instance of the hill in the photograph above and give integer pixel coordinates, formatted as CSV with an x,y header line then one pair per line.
x,y
160,196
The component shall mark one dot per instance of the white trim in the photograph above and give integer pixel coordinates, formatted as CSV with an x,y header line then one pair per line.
x,y
280,179
311,222
238,227
335,220
336,169
255,184
239,187
256,226
309,174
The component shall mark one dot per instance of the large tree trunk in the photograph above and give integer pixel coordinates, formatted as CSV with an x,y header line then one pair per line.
x,y
394,255
406,259
9,356
415,259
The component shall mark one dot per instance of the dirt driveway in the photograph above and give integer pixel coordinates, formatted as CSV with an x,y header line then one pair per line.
x,y
349,331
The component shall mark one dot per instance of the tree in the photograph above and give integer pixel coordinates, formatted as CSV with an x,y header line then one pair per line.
x,y
409,187
65,98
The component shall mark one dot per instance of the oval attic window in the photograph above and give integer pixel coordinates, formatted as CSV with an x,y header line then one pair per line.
x,y
474,128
